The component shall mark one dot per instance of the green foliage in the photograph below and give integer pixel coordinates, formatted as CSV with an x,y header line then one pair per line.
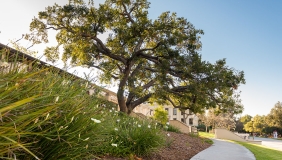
x,y
42,116
171,128
45,114
246,118
274,118
261,152
152,60
133,136
161,115
256,125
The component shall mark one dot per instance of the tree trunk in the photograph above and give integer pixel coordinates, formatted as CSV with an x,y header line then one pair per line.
x,y
121,101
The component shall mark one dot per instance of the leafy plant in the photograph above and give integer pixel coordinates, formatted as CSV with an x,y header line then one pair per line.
x,y
161,115
47,114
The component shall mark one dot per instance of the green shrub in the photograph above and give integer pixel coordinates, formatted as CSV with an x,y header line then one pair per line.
x,y
134,136
173,129
43,116
161,115
47,115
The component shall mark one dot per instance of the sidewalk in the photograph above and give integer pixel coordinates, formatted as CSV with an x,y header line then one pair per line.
x,y
223,150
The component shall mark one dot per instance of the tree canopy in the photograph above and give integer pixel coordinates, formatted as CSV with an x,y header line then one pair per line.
x,y
274,118
151,60
256,124
246,118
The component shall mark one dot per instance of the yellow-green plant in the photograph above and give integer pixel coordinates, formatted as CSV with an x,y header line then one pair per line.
x,y
161,115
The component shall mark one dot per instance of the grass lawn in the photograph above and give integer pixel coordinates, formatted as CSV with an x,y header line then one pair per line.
x,y
206,135
262,152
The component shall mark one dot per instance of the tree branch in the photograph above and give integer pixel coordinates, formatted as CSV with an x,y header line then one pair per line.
x,y
141,100
113,76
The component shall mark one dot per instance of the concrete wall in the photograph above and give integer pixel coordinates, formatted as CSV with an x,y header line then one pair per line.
x,y
221,133
181,126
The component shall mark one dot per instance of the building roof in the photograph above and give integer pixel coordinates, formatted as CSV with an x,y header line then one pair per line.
x,y
12,53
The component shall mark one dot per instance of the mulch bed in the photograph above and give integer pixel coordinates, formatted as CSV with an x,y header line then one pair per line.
x,y
181,147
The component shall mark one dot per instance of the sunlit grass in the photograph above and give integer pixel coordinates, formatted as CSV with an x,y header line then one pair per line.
x,y
262,152
206,135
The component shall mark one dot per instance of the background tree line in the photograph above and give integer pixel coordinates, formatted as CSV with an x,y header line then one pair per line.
x,y
262,125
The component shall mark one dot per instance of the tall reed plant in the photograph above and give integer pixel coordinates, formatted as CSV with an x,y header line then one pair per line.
x,y
47,114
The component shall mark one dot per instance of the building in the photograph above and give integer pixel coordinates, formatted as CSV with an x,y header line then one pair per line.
x,y
187,117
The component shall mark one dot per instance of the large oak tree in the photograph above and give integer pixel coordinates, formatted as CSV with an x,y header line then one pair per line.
x,y
152,60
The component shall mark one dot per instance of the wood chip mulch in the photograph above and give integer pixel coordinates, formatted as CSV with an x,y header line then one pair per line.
x,y
179,147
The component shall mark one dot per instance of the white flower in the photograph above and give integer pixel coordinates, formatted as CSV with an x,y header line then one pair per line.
x,y
86,139
110,110
57,99
36,120
86,146
116,129
167,123
47,116
113,108
95,120
165,126
114,145
168,134
72,119
139,125
149,126
118,120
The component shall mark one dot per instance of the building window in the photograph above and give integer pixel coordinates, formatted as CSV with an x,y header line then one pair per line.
x,y
174,111
174,118
182,112
182,120
191,121
166,109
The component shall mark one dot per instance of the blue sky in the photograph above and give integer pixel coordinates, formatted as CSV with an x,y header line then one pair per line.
x,y
247,33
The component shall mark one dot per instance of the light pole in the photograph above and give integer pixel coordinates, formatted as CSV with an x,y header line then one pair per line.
x,y
253,128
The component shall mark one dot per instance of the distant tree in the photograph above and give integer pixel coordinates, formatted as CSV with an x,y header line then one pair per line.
x,y
257,125
207,118
239,126
246,118
151,60
274,118
217,119
161,115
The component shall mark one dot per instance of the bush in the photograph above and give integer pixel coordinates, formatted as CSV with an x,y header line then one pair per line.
x,y
173,129
133,136
161,115
47,115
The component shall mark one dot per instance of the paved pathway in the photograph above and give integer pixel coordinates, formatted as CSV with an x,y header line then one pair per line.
x,y
223,150
272,143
